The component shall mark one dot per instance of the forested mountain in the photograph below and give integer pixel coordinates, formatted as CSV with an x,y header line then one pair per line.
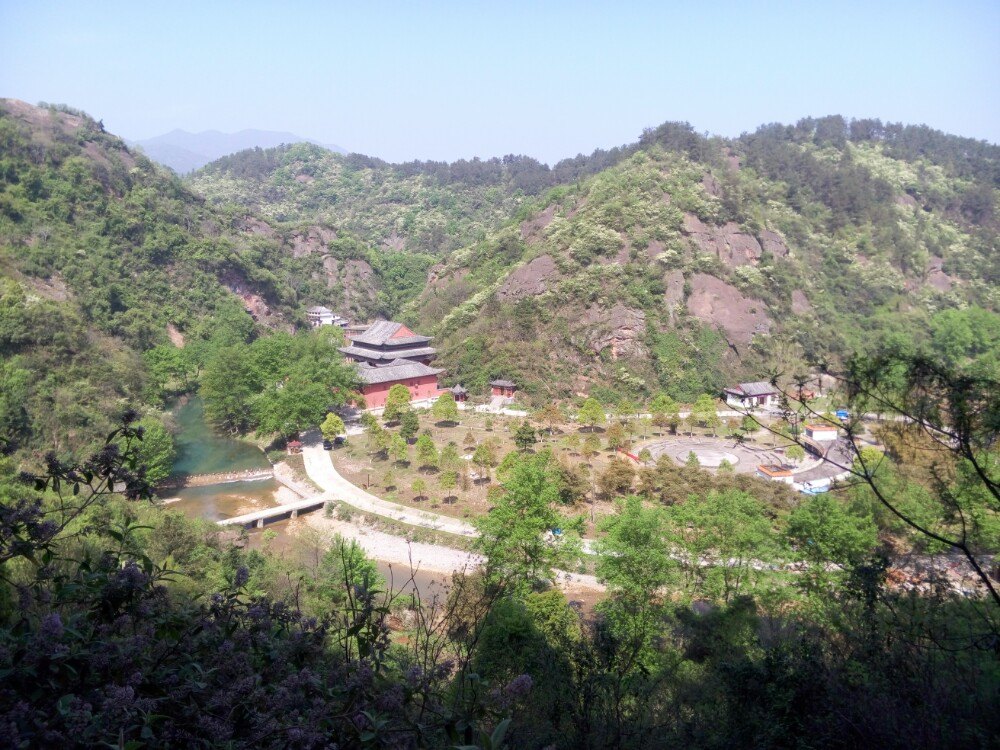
x,y
184,152
104,256
692,262
671,264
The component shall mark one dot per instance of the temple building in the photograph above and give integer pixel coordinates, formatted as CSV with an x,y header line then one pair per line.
x,y
324,316
503,388
388,354
384,341
420,380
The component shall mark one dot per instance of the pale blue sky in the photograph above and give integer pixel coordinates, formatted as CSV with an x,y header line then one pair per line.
x,y
449,80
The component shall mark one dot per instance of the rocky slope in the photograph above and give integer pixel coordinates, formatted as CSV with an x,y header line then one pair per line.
x,y
666,271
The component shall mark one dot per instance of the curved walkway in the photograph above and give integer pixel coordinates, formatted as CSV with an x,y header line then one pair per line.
x,y
396,549
320,469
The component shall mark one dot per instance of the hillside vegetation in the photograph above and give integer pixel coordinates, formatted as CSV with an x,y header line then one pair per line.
x,y
683,268
105,257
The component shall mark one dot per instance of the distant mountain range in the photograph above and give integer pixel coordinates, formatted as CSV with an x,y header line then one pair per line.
x,y
185,152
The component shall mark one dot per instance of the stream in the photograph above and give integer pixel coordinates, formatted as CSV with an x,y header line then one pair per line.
x,y
200,450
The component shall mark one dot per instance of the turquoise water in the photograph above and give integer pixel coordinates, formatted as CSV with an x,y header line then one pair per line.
x,y
200,450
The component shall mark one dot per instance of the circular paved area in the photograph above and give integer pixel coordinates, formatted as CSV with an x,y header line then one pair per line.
x,y
711,451
707,457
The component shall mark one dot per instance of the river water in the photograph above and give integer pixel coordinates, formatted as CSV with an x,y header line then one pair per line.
x,y
200,450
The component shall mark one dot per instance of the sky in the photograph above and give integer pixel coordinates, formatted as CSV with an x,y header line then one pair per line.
x,y
423,80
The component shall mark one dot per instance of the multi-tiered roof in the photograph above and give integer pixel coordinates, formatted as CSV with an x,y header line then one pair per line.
x,y
385,341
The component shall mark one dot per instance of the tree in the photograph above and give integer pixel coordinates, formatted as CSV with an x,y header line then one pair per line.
x,y
665,411
730,529
691,421
409,424
635,561
448,481
427,453
450,459
795,453
692,461
574,482
389,480
551,416
227,387
289,408
625,410
591,413
378,438
398,448
705,414
369,421
591,446
484,458
824,530
469,441
618,439
332,427
617,478
396,402
725,467
155,450
516,536
445,409
524,436
645,455
419,487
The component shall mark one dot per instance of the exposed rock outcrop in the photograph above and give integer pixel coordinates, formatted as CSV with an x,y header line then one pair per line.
x,y
717,303
729,243
800,303
528,280
674,294
312,240
621,328
936,277
531,229
774,244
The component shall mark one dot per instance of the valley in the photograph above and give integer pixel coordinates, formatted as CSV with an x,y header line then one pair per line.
x,y
646,431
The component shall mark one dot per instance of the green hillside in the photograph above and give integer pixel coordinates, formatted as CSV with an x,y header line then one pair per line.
x,y
419,208
684,268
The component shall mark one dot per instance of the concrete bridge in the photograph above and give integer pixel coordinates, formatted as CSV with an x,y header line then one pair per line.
x,y
261,518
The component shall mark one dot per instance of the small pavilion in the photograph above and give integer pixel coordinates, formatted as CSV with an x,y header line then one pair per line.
x,y
505,388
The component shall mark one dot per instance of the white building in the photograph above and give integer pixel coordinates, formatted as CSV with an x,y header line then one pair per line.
x,y
752,395
821,433
324,316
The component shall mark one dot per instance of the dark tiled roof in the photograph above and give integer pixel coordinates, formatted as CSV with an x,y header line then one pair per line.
x,y
457,390
503,383
381,332
319,309
365,353
399,369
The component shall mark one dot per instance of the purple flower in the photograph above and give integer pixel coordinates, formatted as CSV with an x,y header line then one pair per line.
x,y
519,687
242,576
52,627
